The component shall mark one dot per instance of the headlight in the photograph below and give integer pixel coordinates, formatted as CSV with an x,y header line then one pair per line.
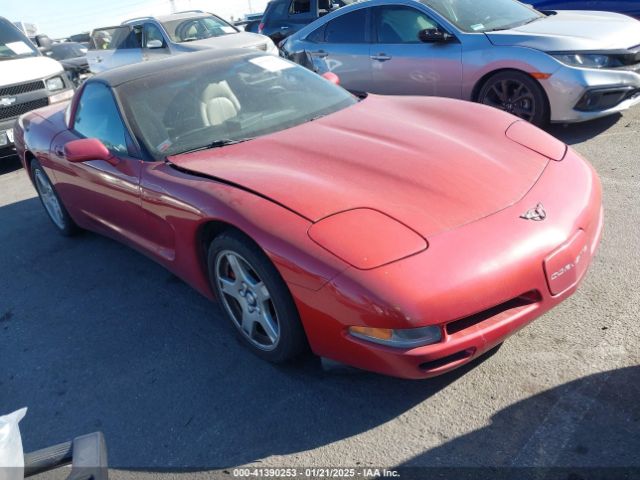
x,y
55,83
588,60
272,49
405,338
366,238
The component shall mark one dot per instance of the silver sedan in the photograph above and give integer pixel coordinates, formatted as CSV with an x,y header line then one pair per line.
x,y
569,66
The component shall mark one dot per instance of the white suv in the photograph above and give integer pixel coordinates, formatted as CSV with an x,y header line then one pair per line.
x,y
150,38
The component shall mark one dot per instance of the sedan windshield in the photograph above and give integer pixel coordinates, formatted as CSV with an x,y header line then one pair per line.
x,y
198,28
226,101
13,44
484,15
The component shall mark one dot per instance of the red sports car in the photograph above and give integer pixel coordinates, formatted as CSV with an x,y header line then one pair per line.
x,y
405,235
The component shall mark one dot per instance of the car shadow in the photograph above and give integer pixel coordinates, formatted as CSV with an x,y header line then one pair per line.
x,y
9,164
95,336
575,133
587,428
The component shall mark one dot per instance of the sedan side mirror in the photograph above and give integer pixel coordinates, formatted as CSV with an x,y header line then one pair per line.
x,y
155,44
88,149
434,35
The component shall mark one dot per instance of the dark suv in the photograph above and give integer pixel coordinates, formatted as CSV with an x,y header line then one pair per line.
x,y
284,17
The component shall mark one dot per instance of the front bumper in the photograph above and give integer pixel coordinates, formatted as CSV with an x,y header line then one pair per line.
x,y
6,138
7,146
569,88
480,283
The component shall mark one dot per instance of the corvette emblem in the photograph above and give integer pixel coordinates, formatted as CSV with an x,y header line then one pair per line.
x,y
536,214
7,101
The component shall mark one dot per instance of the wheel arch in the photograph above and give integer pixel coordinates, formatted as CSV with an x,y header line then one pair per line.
x,y
28,160
480,83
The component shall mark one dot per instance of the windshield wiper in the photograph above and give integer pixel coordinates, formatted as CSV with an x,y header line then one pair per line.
x,y
218,144
515,25
531,21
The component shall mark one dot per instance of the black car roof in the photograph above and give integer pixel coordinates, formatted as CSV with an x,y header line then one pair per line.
x,y
184,61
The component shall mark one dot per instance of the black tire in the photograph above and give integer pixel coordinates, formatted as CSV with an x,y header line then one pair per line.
x,y
516,93
291,339
61,220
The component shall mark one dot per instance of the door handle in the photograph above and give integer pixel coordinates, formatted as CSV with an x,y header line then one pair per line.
x,y
381,57
59,151
320,54
284,28
98,59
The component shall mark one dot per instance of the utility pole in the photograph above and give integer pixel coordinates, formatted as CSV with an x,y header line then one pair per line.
x,y
173,6
250,9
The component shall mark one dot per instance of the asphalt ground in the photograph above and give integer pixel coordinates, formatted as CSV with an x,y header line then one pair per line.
x,y
94,336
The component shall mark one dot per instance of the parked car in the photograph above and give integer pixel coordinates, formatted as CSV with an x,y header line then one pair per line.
x,y
153,38
28,81
83,38
251,22
567,67
627,7
285,17
403,235
73,57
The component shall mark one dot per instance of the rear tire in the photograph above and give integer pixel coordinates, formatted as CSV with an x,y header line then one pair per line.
x,y
51,202
255,298
516,93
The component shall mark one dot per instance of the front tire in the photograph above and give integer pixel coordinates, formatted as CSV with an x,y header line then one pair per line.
x,y
255,298
51,201
518,94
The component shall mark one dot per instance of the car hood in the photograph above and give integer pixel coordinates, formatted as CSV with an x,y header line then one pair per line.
x,y
573,30
236,40
28,69
438,164
77,62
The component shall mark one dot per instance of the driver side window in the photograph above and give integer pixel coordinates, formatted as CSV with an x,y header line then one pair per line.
x,y
97,116
400,24
300,6
152,32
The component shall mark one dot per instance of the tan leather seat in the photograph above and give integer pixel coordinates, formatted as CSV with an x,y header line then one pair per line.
x,y
218,104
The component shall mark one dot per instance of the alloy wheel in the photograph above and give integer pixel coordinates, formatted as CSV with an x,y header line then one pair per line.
x,y
511,96
247,300
49,199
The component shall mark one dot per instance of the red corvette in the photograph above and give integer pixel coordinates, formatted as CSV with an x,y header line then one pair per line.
x,y
405,235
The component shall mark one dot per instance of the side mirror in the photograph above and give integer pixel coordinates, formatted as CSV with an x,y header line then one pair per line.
x,y
332,77
155,44
434,35
88,149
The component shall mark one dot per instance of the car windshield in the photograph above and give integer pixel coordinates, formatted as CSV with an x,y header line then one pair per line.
x,y
197,28
63,51
13,44
486,15
225,101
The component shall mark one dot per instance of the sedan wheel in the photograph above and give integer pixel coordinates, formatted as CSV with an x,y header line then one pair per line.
x,y
518,94
247,300
51,202
255,298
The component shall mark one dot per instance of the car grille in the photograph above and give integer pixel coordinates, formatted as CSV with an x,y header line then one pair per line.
x,y
22,88
19,109
504,310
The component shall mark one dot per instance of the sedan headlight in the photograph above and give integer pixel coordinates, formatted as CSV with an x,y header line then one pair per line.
x,y
588,60
366,238
404,338
55,83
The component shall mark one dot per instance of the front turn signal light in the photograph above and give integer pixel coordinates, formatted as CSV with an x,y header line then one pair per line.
x,y
399,338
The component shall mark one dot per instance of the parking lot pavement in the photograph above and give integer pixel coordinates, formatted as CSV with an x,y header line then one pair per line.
x,y
94,336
